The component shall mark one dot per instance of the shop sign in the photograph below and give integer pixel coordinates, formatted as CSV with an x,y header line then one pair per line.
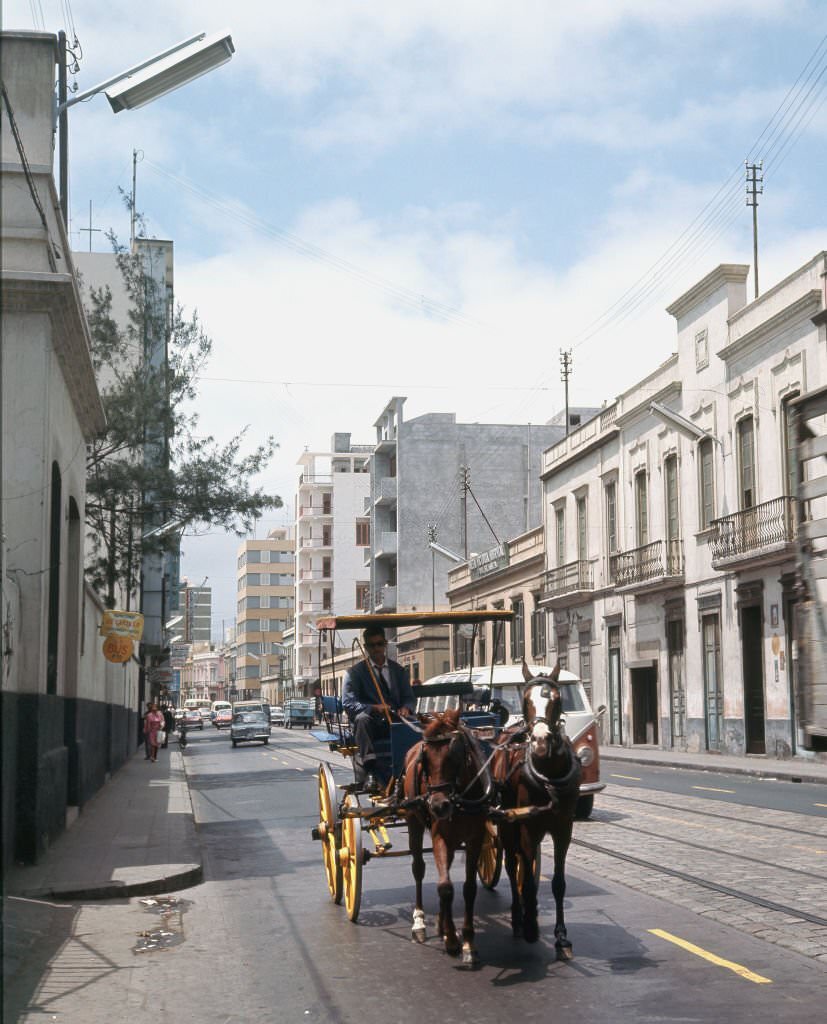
x,y
121,623
489,561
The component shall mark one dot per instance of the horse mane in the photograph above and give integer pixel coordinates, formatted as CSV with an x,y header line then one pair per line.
x,y
443,723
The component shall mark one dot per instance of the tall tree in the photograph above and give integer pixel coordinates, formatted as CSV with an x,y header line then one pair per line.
x,y
152,466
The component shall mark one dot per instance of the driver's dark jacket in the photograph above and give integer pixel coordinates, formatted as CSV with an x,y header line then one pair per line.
x,y
359,691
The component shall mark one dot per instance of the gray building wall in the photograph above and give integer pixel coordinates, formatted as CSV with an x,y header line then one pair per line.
x,y
429,456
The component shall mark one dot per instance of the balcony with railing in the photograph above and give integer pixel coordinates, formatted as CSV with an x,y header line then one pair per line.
x,y
315,543
315,480
385,599
653,566
315,511
315,574
566,584
762,534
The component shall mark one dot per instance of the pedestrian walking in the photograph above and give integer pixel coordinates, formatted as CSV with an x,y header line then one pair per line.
x,y
169,724
153,721
145,730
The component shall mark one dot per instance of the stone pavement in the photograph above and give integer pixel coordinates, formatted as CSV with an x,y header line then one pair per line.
x,y
135,837
806,767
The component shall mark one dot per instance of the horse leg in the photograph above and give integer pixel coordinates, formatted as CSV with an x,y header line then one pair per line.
x,y
526,852
509,841
443,858
415,835
558,887
473,846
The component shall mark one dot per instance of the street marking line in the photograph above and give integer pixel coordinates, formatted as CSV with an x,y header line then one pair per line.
x,y
713,789
739,969
634,778
819,805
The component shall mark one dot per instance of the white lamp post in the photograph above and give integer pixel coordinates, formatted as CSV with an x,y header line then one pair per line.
x,y
138,85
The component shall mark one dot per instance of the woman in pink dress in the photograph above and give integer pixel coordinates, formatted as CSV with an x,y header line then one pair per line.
x,y
152,723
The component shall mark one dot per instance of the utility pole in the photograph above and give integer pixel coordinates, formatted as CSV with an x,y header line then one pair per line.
x,y
565,371
755,187
132,204
90,229
464,483
432,540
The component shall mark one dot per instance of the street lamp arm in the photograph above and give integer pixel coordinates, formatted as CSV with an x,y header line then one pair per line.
x,y
89,93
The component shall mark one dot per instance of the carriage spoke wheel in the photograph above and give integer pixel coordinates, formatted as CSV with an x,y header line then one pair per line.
x,y
330,830
491,857
537,866
350,858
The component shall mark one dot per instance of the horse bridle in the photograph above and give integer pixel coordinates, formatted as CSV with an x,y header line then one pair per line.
x,y
563,782
459,800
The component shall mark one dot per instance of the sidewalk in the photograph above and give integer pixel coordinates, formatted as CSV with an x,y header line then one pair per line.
x,y
796,769
135,837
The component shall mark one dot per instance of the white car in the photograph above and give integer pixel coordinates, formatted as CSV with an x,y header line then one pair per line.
x,y
276,714
506,685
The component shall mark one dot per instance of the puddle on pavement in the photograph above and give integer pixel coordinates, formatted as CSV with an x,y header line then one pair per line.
x,y
169,930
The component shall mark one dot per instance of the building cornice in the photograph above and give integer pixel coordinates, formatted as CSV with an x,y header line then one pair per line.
x,y
57,296
802,308
725,273
673,389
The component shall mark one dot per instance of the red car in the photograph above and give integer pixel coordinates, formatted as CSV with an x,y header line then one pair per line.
x,y
223,717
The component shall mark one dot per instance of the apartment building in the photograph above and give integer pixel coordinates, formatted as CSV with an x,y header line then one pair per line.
x,y
266,594
670,525
465,485
332,535
195,613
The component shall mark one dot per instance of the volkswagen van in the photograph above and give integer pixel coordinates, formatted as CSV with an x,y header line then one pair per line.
x,y
506,686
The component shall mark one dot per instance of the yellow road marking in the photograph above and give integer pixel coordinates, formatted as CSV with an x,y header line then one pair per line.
x,y
713,789
739,969
819,805
634,778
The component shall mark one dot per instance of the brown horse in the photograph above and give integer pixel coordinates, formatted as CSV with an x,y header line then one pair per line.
x,y
539,778
447,789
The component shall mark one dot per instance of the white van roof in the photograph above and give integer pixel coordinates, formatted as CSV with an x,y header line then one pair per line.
x,y
503,675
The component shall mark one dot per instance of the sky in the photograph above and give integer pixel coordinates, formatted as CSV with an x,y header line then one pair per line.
x,y
434,199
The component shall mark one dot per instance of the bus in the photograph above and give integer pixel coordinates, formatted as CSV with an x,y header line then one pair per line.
x,y
201,706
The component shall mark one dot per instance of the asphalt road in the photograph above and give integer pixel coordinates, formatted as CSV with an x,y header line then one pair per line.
x,y
260,939
748,790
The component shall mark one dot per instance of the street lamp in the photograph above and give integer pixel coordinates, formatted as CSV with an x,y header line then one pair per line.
x,y
138,85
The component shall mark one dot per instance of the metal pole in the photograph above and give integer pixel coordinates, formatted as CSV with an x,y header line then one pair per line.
x,y
63,130
132,216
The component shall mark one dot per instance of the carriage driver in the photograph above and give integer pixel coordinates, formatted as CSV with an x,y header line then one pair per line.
x,y
361,702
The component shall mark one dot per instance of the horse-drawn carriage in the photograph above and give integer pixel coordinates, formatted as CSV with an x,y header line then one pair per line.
x,y
491,792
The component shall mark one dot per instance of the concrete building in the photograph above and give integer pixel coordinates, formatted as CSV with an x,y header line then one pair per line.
x,y
266,594
456,483
195,611
670,525
202,674
69,717
332,536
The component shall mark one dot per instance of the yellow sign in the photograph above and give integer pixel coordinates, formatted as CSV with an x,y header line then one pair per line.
x,y
117,648
118,623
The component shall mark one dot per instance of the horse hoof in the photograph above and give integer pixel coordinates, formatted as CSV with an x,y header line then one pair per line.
x,y
470,957
565,951
531,932
418,932
452,948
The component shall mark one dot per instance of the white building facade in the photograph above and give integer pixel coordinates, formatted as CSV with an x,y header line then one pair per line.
x,y
670,526
332,536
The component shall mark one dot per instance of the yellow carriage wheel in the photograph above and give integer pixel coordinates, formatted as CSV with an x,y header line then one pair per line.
x,y
330,833
491,857
350,858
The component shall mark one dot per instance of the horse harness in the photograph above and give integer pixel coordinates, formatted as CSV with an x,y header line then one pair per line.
x,y
466,805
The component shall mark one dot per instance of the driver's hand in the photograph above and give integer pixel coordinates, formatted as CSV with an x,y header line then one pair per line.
x,y
405,712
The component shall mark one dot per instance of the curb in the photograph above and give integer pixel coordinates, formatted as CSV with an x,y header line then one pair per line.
x,y
122,890
787,775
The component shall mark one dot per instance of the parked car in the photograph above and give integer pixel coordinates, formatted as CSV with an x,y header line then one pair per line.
x,y
250,725
506,695
193,719
222,718
276,714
